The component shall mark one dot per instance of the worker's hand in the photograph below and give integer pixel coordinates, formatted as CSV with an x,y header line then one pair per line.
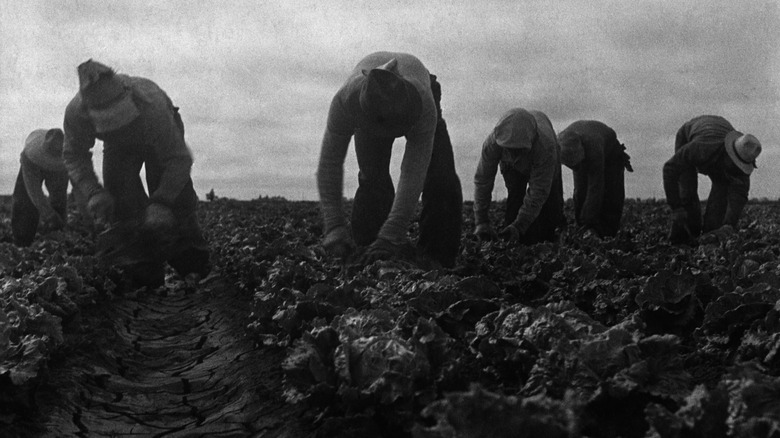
x,y
590,234
52,221
717,235
724,231
510,233
381,249
101,207
484,232
338,242
159,218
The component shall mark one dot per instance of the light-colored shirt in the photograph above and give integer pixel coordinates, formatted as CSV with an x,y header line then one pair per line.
x,y
37,166
344,119
541,162
156,135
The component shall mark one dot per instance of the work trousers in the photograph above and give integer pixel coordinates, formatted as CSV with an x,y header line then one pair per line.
x,y
544,228
188,252
608,218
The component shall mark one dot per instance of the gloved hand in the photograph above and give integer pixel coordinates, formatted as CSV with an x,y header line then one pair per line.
x,y
484,232
381,249
510,233
338,242
159,217
101,207
52,221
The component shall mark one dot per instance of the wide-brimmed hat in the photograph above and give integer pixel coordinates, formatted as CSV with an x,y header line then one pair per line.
x,y
743,149
109,102
516,129
572,151
389,101
44,148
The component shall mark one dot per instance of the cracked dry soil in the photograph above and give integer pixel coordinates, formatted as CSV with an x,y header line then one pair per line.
x,y
172,362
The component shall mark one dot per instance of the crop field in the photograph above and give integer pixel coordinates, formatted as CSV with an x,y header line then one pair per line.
x,y
623,337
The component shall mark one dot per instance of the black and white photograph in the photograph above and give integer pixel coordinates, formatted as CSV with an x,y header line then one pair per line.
x,y
438,219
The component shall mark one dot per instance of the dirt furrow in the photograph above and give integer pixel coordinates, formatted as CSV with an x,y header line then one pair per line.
x,y
171,363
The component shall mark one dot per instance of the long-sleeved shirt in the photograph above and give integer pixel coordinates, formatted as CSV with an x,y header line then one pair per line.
x,y
37,165
541,163
157,135
700,147
602,149
345,117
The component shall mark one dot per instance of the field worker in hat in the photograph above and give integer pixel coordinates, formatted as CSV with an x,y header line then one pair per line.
x,y
708,145
41,164
598,162
524,146
390,95
139,126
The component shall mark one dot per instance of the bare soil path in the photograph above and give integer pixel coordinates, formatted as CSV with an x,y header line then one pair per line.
x,y
172,362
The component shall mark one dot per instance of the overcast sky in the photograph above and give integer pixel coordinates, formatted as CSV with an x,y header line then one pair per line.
x,y
254,79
